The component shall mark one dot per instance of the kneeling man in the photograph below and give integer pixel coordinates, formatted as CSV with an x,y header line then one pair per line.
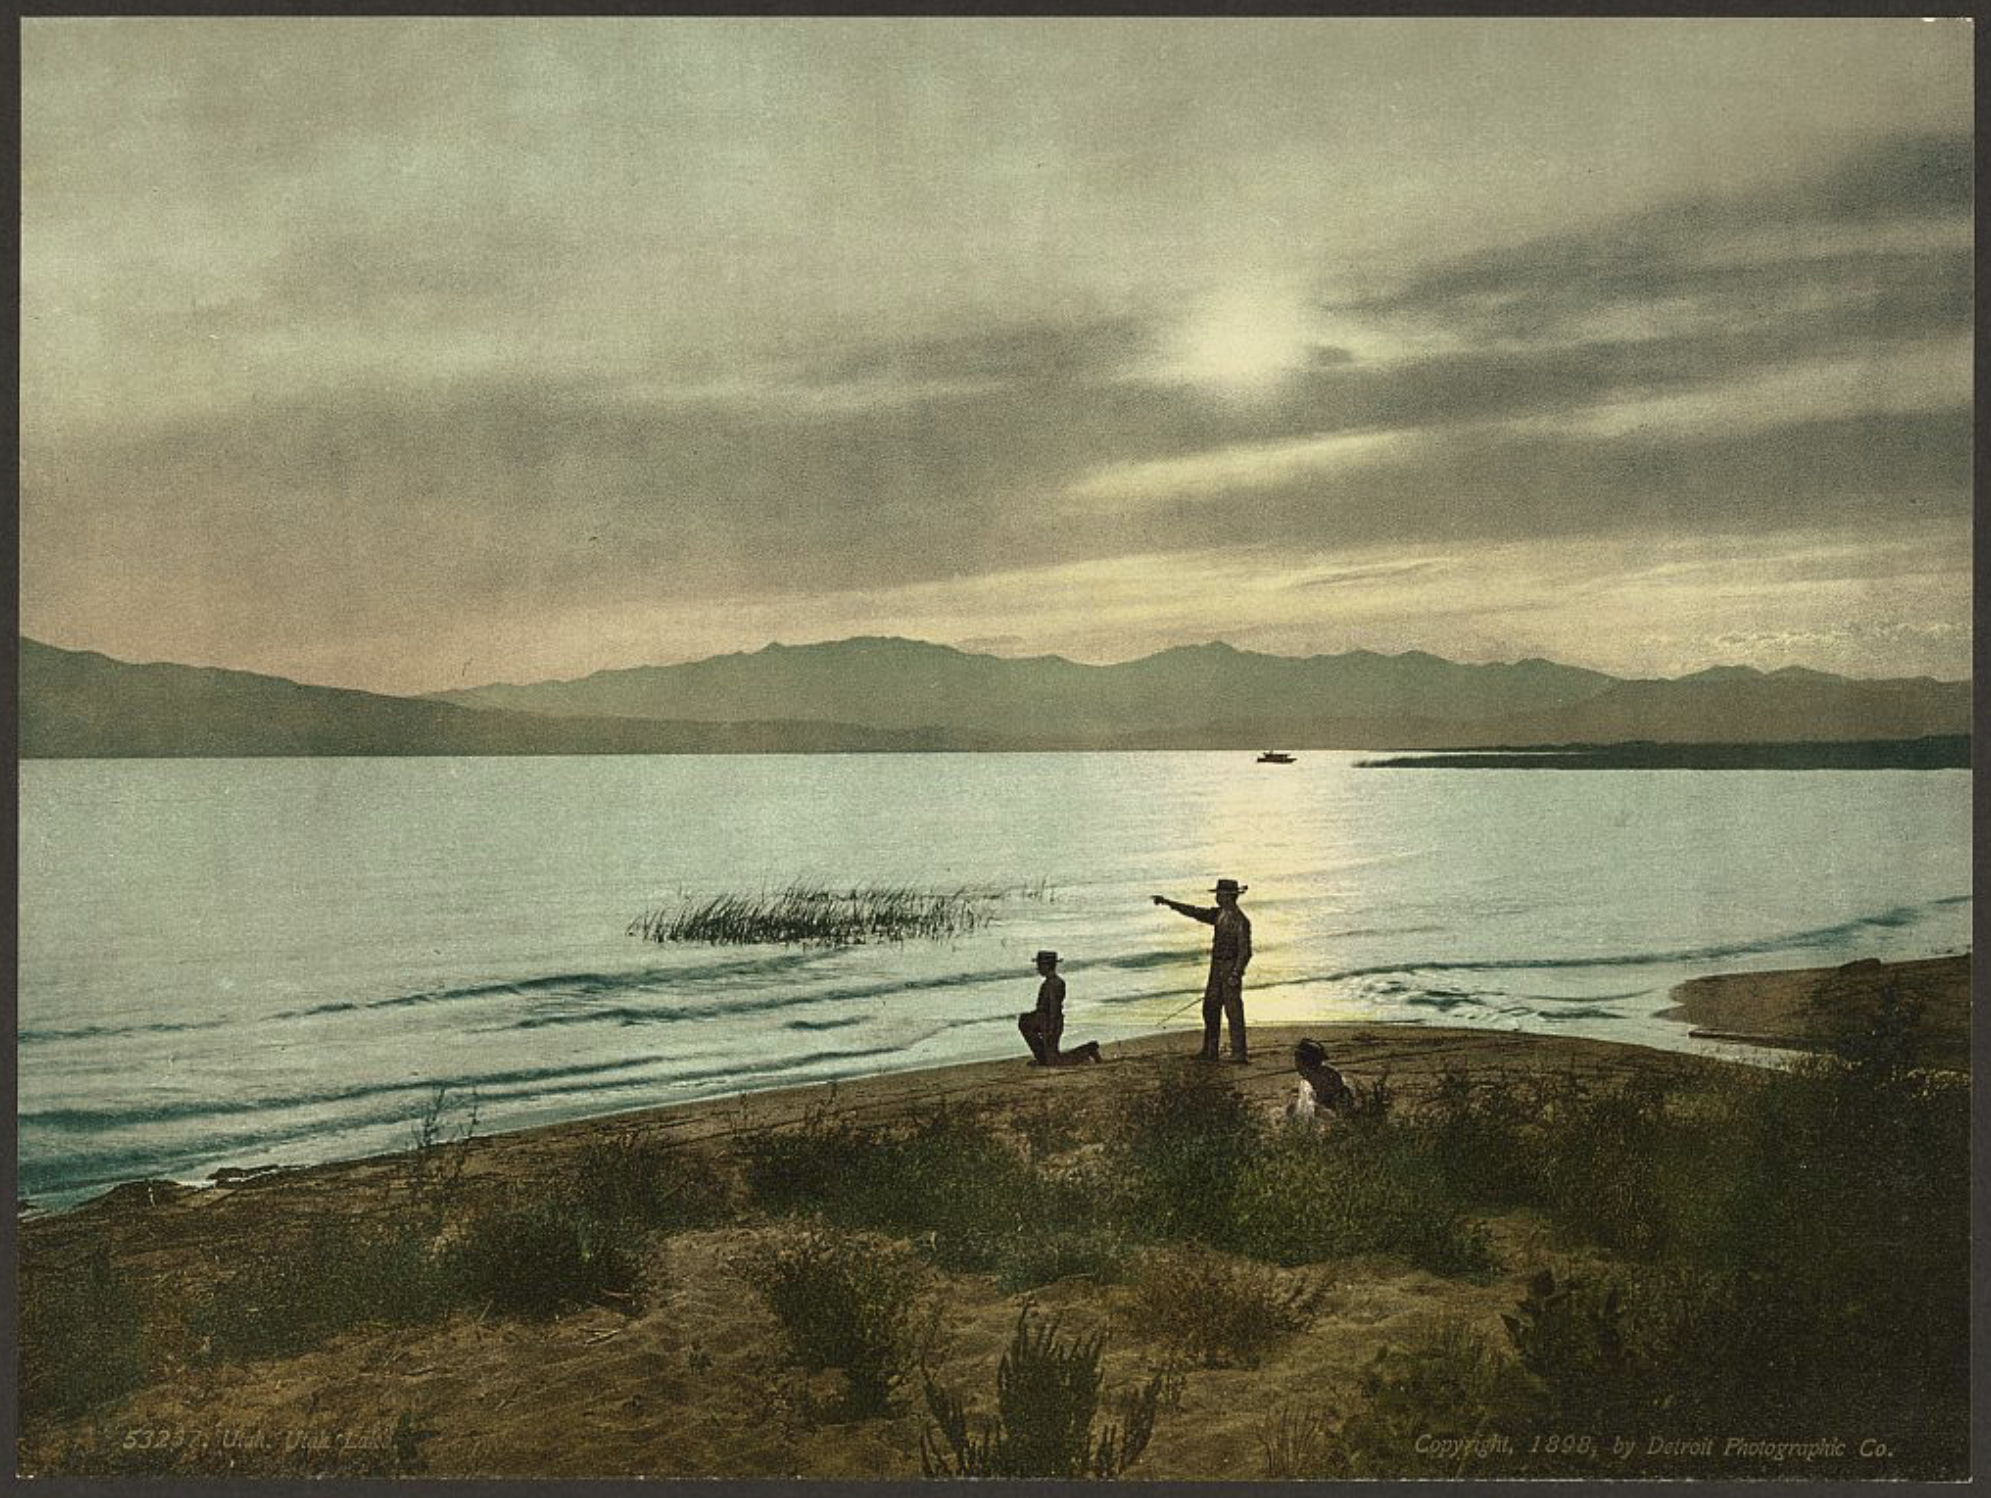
x,y
1044,1026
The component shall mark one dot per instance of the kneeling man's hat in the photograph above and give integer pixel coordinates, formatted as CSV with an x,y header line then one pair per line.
x,y
1229,887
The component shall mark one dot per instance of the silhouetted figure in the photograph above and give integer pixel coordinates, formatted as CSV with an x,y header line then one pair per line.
x,y
1321,1089
1230,954
1044,1026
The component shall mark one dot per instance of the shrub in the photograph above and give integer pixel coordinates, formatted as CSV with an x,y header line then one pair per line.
x,y
957,1182
1881,1035
1615,1165
1673,1349
1479,1132
80,1335
1793,1243
843,1302
1592,1365
1042,1255
1601,1148
945,1180
1214,1310
290,1297
648,1183
432,1169
1294,1441
1177,1151
1375,1100
1828,1206
1448,1384
1666,1350
538,1257
796,1170
1047,1131
1047,1395
1314,1195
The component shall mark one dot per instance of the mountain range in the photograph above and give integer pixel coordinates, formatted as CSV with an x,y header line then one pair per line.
x,y
81,705
875,694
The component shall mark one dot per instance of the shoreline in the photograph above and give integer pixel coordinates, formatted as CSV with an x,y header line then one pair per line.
x,y
1765,1012
691,1377
1412,1055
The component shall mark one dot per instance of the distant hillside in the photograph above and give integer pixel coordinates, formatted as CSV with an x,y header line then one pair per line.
x,y
906,684
1735,707
877,695
78,704
1215,696
1948,752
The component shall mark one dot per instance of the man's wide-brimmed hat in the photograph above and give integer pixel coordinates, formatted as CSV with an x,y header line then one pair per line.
x,y
1229,887
1047,956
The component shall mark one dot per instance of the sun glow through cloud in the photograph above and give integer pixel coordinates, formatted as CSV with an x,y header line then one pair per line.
x,y
1243,339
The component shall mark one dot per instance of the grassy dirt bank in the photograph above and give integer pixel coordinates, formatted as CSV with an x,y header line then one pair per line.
x,y
1131,1269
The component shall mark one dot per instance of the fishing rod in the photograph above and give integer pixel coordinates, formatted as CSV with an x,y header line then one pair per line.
x,y
1168,1018
1183,1010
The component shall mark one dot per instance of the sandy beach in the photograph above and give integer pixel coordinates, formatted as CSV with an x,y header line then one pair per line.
x,y
694,1381
1797,1009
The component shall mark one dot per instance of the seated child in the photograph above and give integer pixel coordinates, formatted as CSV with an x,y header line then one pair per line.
x,y
1321,1086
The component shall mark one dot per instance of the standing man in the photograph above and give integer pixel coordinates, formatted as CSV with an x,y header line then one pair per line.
x,y
1230,954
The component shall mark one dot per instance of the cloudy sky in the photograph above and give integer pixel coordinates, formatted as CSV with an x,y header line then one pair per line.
x,y
407,354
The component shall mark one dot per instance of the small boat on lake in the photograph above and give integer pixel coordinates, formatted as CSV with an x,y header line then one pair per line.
x,y
1274,757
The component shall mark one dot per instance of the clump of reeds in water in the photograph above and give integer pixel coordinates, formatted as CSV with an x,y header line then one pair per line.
x,y
817,916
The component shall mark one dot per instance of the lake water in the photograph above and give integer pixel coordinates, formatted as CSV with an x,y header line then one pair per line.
x,y
248,961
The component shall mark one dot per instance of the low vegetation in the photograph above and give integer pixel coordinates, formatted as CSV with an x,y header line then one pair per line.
x,y
1781,1249
845,1302
1293,1440
1043,1255
535,1256
947,1181
1046,1131
571,1242
1312,1195
1788,1252
80,1335
1047,1403
648,1184
1214,1310
290,1296
1176,1151
1788,1247
1192,1161
1426,1408
432,1167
